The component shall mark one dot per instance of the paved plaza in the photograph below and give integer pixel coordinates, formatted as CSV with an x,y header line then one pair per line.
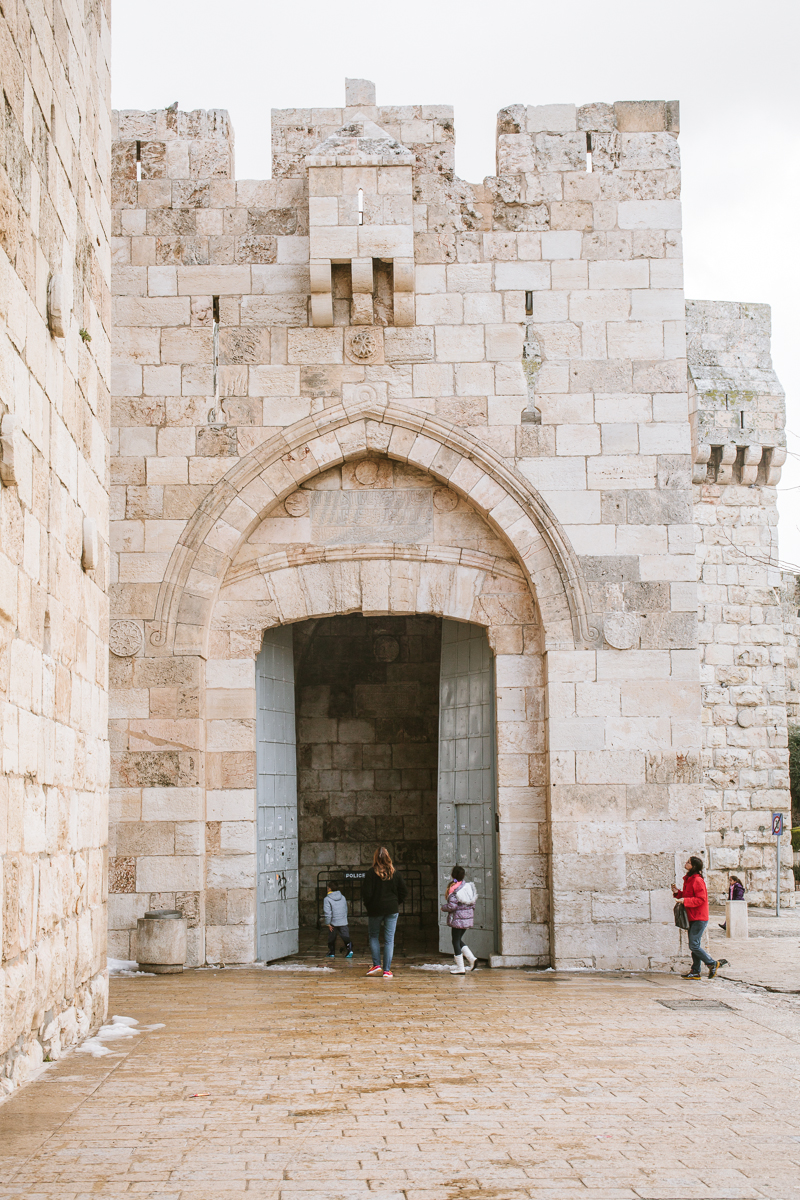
x,y
505,1084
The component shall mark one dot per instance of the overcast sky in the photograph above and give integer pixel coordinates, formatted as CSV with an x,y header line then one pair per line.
x,y
733,66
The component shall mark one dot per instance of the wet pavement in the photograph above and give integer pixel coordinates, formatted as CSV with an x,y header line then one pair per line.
x,y
306,1083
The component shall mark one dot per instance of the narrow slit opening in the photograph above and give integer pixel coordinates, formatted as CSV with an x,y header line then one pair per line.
x,y
589,152
361,206
529,304
138,161
215,343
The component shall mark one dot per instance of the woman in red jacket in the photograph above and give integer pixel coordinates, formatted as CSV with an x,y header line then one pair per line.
x,y
694,897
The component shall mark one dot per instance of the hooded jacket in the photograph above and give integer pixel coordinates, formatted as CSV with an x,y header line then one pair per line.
x,y
694,896
335,909
460,905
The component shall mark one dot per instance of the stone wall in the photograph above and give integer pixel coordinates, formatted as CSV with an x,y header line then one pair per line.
x,y
54,429
367,747
738,417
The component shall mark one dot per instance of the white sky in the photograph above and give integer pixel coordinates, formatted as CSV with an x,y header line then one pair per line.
x,y
732,64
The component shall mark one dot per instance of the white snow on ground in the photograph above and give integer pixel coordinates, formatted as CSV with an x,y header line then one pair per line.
x,y
120,1027
294,967
430,966
123,966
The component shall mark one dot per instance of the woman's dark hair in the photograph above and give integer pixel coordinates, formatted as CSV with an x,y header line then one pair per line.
x,y
697,865
736,879
382,863
458,874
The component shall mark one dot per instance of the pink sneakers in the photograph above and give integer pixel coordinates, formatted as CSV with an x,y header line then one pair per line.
x,y
376,970
388,975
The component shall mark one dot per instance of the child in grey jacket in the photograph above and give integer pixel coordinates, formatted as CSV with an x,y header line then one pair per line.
x,y
335,910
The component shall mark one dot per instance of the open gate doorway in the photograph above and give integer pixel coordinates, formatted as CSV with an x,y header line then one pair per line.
x,y
374,730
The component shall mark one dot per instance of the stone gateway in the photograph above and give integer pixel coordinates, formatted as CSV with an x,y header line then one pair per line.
x,y
437,517
449,411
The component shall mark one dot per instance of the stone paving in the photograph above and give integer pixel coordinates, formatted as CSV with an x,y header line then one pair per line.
x,y
769,957
503,1084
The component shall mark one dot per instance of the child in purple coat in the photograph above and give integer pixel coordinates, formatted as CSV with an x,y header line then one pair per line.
x,y
735,892
460,908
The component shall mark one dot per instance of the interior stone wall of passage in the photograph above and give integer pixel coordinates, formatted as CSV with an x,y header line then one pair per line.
x,y
367,696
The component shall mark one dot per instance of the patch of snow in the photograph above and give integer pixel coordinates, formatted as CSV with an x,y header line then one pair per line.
x,y
124,966
430,966
295,967
120,1027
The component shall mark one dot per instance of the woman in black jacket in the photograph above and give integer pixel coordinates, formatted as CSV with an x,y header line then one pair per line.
x,y
383,891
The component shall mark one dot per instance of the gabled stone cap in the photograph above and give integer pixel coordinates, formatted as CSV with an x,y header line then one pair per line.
x,y
360,143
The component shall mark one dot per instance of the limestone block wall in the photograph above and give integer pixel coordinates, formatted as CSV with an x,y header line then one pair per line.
x,y
747,638
543,381
54,420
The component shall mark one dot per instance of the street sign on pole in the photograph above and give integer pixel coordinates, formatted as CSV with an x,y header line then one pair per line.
x,y
777,831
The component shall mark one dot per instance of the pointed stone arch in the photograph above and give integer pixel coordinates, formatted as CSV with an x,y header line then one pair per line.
x,y
360,425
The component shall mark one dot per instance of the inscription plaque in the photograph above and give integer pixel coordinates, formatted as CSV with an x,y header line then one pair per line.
x,y
403,515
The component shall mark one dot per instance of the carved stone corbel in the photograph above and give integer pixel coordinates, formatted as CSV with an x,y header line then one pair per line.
x,y
777,457
752,457
404,291
727,459
701,457
321,292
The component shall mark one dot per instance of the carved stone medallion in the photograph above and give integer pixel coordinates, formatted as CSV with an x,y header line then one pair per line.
x,y
444,500
366,472
621,630
385,648
363,344
296,505
125,639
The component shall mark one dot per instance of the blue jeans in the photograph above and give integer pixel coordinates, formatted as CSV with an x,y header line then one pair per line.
x,y
389,926
696,931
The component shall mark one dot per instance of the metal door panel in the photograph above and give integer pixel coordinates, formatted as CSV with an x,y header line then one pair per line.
x,y
467,776
276,798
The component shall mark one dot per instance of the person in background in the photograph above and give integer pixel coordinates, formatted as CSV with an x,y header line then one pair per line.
x,y
694,897
383,891
735,892
459,905
335,909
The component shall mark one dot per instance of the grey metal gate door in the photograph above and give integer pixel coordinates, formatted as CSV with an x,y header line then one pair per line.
x,y
276,798
467,777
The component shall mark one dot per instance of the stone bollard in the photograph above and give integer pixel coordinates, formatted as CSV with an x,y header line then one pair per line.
x,y
736,919
161,941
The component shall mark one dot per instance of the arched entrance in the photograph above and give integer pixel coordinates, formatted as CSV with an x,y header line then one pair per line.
x,y
323,553
374,731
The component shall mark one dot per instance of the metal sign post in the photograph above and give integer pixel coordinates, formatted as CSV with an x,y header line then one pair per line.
x,y
777,830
